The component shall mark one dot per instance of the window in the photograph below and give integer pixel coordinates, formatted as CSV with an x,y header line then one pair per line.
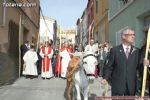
x,y
146,24
125,1
103,37
96,6
1,12
96,36
118,37
147,21
33,40
108,14
101,34
13,38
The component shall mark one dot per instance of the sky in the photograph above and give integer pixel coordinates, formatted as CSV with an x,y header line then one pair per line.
x,y
66,12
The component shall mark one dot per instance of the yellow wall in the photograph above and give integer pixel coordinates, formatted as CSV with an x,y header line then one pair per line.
x,y
101,19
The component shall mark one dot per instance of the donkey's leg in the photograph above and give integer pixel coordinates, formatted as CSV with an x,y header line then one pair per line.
x,y
89,90
69,92
73,93
85,93
78,92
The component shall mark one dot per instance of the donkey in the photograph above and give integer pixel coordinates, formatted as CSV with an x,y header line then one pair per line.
x,y
84,76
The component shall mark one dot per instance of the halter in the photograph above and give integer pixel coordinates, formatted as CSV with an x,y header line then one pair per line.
x,y
89,55
88,74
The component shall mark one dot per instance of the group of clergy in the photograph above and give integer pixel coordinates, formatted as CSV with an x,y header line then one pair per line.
x,y
46,53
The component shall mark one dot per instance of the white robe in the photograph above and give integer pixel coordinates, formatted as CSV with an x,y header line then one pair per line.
x,y
49,73
64,63
30,58
92,48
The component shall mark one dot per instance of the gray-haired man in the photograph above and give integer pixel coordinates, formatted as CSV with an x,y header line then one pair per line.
x,y
122,66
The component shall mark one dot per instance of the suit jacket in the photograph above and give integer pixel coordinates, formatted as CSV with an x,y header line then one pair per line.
x,y
24,49
122,71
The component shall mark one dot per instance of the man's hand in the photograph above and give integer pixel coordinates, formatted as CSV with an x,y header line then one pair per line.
x,y
146,62
104,81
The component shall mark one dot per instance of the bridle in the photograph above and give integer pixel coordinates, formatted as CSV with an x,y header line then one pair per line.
x,y
89,55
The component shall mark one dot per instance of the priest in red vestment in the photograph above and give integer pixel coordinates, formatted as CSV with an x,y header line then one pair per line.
x,y
46,53
66,54
63,58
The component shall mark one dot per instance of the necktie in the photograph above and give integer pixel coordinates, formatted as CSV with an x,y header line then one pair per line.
x,y
127,52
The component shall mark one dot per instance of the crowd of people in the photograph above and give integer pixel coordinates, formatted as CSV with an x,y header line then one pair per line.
x,y
117,65
47,61
50,61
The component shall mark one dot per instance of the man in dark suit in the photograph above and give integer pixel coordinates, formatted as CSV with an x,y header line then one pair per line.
x,y
121,68
24,48
39,62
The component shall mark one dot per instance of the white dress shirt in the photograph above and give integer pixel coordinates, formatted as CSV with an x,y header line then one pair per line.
x,y
124,48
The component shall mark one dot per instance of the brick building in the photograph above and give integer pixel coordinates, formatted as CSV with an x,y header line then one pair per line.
x,y
28,13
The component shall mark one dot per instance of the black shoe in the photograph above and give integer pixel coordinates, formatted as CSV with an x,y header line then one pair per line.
x,y
27,76
63,78
48,78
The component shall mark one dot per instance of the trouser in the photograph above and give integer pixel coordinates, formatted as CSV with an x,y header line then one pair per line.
x,y
100,67
126,93
54,65
39,65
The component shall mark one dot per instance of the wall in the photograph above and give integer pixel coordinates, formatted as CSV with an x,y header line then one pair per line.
x,y
9,39
130,15
101,20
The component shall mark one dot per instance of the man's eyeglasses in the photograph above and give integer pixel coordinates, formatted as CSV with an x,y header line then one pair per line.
x,y
130,34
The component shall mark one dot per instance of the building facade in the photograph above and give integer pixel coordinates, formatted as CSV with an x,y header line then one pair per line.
x,y
129,13
84,28
90,14
17,25
48,29
101,29
85,25
79,32
68,35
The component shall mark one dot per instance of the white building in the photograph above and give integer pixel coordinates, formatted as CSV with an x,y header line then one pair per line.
x,y
82,30
47,29
68,34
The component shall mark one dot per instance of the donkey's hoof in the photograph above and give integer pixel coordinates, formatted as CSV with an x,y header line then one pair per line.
x,y
78,98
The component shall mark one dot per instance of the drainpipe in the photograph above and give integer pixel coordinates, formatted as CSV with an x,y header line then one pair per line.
x,y
4,13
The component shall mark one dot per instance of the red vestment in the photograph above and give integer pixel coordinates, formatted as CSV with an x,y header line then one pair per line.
x,y
58,61
46,54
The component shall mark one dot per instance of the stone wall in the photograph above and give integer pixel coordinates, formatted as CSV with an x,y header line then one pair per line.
x,y
8,69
